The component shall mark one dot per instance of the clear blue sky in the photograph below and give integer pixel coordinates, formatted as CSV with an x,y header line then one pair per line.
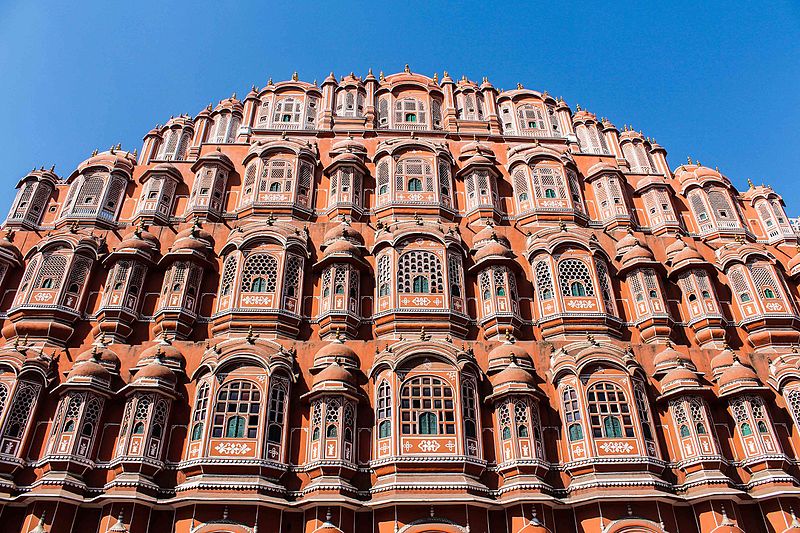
x,y
718,81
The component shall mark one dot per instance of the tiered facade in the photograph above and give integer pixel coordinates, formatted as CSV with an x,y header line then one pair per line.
x,y
397,304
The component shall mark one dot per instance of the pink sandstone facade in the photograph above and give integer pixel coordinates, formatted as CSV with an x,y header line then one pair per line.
x,y
397,304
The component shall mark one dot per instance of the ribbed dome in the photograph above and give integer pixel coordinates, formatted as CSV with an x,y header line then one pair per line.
x,y
485,234
626,243
139,239
88,369
722,360
678,376
341,247
8,246
334,373
343,231
163,350
512,374
674,247
349,145
194,238
583,115
794,262
336,350
156,370
492,249
737,374
99,354
669,357
505,353
637,253
687,254
534,528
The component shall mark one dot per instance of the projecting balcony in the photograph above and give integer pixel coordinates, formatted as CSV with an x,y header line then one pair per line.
x,y
710,229
89,214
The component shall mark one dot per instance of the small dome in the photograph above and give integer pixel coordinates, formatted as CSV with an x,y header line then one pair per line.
x,y
737,375
722,360
669,357
476,151
679,376
101,355
343,231
513,374
88,369
8,246
675,246
156,370
349,145
583,115
507,352
139,239
492,249
336,350
194,238
637,253
341,247
335,373
347,157
626,243
486,233
687,254
534,527
163,350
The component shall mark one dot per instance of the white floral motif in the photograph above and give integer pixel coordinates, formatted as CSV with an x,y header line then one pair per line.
x,y
233,448
429,446
43,297
616,447
581,304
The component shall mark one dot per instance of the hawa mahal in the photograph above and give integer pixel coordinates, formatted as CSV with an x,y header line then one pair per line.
x,y
397,304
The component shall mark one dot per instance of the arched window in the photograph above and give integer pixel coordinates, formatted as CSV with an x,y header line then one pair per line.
x,y
609,411
577,288
235,427
383,410
642,409
469,408
428,424
427,407
611,427
384,275
288,112
574,278
414,174
544,280
228,274
531,117
236,412
19,414
419,271
276,416
260,273
572,413
409,111
548,181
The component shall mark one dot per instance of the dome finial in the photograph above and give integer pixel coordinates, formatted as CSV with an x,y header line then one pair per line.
x,y
406,69
294,76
